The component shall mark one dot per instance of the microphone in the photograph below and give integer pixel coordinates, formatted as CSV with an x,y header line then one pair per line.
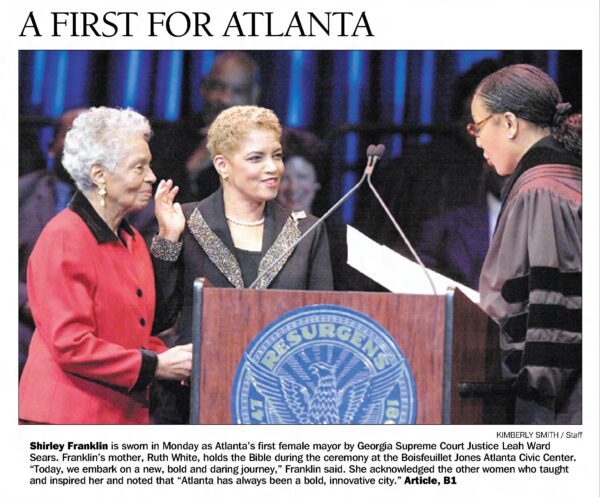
x,y
378,152
371,159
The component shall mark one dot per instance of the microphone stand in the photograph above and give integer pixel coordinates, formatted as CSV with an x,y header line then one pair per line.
x,y
379,150
368,170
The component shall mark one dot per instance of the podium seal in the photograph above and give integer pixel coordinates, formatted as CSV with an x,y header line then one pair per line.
x,y
323,364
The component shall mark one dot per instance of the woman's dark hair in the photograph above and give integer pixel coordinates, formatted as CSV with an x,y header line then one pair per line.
x,y
530,94
465,85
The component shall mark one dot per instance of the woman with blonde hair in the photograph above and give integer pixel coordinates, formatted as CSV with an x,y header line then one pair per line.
x,y
237,236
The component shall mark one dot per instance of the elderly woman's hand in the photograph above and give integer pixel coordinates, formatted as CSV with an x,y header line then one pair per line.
x,y
175,363
169,215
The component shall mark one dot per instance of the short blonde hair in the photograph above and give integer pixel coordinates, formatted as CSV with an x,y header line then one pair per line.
x,y
232,126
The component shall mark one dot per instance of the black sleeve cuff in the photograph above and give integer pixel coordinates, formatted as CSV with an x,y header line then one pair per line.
x,y
149,363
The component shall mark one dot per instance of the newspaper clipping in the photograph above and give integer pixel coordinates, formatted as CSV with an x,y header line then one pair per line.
x,y
403,452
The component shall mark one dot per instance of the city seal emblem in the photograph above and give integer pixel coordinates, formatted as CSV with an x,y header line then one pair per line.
x,y
323,364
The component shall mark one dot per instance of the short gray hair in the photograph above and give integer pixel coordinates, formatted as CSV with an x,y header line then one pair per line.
x,y
97,137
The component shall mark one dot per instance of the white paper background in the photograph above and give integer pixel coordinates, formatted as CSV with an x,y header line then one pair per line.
x,y
423,24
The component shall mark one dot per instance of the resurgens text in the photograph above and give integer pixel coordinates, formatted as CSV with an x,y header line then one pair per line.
x,y
309,332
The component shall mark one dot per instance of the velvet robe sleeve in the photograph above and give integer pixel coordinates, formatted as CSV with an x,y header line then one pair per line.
x,y
532,286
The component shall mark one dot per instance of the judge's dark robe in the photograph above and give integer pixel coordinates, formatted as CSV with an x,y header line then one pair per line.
x,y
531,284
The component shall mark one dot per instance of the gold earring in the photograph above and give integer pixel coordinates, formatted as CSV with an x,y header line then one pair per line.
x,y
102,193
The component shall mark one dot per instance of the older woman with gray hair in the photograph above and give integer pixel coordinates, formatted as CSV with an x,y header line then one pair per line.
x,y
91,286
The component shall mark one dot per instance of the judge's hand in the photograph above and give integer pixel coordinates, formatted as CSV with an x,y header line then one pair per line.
x,y
175,363
169,215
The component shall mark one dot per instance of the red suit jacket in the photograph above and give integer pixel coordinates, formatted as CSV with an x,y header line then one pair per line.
x,y
92,296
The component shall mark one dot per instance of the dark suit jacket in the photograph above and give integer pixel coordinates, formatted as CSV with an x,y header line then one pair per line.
x,y
308,267
455,243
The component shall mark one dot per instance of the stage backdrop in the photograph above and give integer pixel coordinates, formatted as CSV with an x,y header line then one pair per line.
x,y
349,98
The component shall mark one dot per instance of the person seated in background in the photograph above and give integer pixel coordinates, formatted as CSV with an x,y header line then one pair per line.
x,y
298,192
455,243
237,236
304,153
43,193
91,286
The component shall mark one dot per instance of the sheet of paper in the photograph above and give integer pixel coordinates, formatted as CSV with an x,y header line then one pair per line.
x,y
395,272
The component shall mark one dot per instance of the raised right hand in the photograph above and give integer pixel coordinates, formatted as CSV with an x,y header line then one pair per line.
x,y
169,215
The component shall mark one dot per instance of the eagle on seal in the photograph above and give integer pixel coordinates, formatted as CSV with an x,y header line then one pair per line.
x,y
293,403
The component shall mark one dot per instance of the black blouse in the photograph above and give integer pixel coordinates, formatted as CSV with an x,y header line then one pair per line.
x,y
248,261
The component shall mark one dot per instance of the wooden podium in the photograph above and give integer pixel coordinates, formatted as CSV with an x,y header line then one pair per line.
x,y
449,342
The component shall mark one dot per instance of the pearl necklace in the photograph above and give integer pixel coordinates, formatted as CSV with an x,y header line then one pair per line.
x,y
245,223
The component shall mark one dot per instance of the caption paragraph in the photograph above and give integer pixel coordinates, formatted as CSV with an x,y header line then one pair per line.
x,y
386,463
